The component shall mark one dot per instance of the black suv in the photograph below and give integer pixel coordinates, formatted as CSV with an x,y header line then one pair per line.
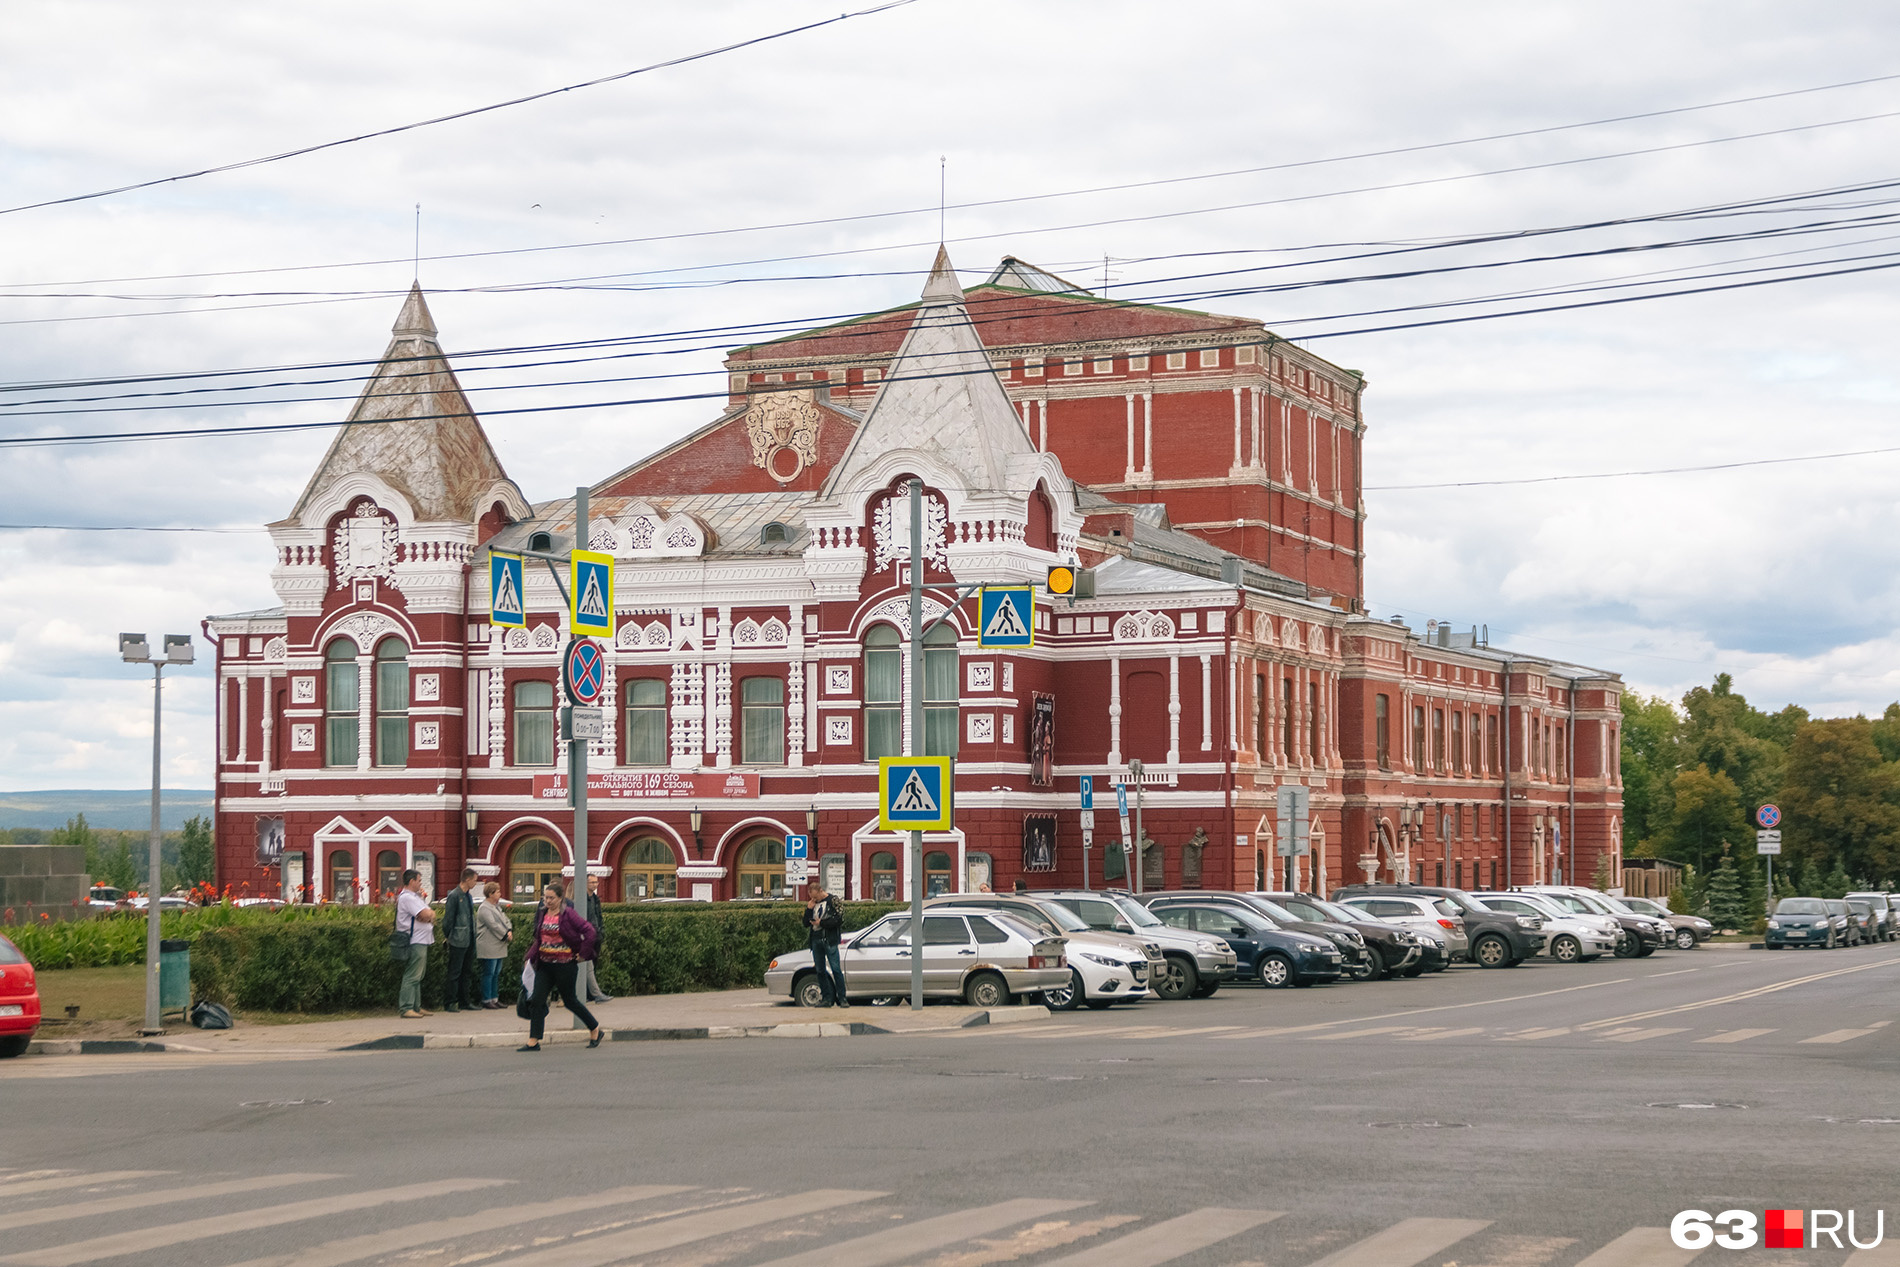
x,y
1497,940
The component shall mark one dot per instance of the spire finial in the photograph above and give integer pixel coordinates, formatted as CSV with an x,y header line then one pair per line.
x,y
942,288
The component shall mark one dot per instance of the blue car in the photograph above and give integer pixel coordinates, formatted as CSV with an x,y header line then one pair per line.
x,y
1264,952
1803,921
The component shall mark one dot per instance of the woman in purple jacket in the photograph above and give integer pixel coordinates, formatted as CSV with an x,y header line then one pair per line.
x,y
558,940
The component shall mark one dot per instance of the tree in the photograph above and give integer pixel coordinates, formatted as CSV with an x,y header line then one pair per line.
x,y
1840,801
1730,736
196,863
1706,810
1728,907
1651,733
1887,733
1835,884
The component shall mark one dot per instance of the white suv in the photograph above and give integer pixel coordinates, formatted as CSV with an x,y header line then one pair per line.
x,y
1571,937
1436,917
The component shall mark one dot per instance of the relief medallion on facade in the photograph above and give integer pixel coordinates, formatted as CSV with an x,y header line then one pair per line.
x,y
364,544
783,429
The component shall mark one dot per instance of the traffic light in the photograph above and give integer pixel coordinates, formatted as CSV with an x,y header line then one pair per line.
x,y
1071,582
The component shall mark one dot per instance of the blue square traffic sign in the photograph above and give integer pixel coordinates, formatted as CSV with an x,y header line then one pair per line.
x,y
1006,616
913,793
1088,792
797,847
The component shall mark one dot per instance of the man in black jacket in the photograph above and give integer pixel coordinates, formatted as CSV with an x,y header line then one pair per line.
x,y
823,920
590,971
458,930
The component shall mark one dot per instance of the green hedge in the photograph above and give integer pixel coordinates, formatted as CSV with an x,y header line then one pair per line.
x,y
119,937
343,965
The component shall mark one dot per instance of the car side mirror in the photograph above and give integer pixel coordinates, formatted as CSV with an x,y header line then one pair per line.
x,y
1237,931
1123,926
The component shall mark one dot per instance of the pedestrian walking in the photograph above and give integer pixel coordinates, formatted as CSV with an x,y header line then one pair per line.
x,y
412,910
824,917
561,941
590,968
458,930
493,932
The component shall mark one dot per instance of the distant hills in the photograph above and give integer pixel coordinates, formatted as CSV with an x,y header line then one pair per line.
x,y
103,807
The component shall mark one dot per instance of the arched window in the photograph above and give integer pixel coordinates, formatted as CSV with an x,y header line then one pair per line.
x,y
940,692
645,704
533,865
936,874
339,703
762,721
1040,533
883,694
343,877
388,874
761,869
883,877
392,702
534,723
649,869
772,532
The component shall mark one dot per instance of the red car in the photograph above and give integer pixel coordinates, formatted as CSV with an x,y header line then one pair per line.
x,y
19,1000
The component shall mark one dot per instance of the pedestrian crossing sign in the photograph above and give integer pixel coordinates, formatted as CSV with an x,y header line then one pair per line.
x,y
1006,616
913,793
591,594
505,605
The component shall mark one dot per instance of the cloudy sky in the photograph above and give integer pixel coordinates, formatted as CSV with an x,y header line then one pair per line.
x,y
1271,160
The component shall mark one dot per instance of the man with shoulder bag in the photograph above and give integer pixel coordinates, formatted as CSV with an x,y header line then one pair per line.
x,y
414,917
824,918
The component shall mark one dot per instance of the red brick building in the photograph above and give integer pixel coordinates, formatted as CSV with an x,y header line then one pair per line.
x,y
1208,471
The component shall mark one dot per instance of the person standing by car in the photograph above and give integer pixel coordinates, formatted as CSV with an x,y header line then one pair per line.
x,y
493,932
412,909
561,942
590,970
458,931
824,917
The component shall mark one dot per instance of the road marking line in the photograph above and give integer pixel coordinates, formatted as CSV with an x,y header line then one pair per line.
x,y
1641,1247
74,1181
139,1200
1755,993
1839,1036
1642,1035
1657,976
1354,1033
1269,1031
671,1233
1737,1036
1881,1024
356,1248
151,1238
1883,1255
1404,1244
1431,1037
1167,1241
1532,1035
910,1239
1422,1011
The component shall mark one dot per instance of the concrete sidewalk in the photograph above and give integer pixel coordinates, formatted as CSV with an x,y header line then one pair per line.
x,y
663,1017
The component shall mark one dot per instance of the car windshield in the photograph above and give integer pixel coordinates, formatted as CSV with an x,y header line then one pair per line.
x,y
1138,915
1275,910
1616,905
1643,906
1345,914
1062,917
9,953
1306,908
1445,906
1800,906
1014,923
1859,908
1243,916
1836,907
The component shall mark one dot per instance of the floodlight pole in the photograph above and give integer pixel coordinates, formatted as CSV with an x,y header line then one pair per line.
x,y
916,745
136,649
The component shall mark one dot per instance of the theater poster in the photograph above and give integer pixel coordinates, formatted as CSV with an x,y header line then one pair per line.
x,y
1042,742
270,841
1039,843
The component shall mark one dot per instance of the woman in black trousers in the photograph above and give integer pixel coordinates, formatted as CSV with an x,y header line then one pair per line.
x,y
560,939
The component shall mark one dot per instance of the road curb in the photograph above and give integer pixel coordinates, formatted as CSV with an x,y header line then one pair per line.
x,y
1007,1015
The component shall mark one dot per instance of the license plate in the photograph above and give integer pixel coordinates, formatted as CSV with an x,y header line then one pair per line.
x,y
1797,932
12,1009
1140,971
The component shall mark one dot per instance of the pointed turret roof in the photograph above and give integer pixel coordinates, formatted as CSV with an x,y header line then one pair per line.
x,y
941,398
414,429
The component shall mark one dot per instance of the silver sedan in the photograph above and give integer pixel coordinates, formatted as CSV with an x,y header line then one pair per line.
x,y
984,958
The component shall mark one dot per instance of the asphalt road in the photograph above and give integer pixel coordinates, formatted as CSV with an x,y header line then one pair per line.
x,y
1527,1117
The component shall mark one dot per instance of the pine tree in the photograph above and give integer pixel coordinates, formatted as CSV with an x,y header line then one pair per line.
x,y
1835,884
1727,908
195,864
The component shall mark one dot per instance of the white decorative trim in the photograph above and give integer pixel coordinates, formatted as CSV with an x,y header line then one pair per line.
x,y
981,676
890,532
428,688
428,736
275,650
897,611
837,731
364,545
303,737
303,690
980,727
837,679
1144,627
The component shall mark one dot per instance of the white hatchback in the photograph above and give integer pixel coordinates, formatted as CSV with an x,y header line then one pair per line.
x,y
1569,937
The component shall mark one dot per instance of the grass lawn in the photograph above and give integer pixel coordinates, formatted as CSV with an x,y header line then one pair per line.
x,y
111,1003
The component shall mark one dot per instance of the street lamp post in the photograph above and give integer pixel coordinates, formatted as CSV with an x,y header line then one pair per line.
x,y
136,649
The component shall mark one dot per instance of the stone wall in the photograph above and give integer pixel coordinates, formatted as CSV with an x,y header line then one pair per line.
x,y
36,879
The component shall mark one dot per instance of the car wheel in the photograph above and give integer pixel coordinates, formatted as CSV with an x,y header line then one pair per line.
x,y
1375,964
1177,980
1414,972
1829,944
808,990
1566,949
1065,998
1207,990
1627,947
1685,939
14,1045
1490,952
986,989
1645,952
1276,971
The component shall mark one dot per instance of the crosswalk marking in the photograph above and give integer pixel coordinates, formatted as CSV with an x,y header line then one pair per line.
x,y
1405,1243
1355,1033
139,1200
1839,1036
1432,1036
1736,1036
1641,1247
671,1233
356,1248
1641,1035
1532,1035
911,1239
1164,1242
147,1239
28,1186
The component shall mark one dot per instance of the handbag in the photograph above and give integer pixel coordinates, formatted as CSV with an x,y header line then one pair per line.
x,y
399,940
527,991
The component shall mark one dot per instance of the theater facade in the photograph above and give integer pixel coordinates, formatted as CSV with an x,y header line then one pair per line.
x,y
1206,471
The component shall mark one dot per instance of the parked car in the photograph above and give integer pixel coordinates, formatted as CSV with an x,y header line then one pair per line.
x,y
1845,923
1351,943
1104,968
1275,957
1569,937
1389,948
1497,940
1427,916
1887,913
1194,965
1867,923
1801,921
984,958
1691,930
1643,935
19,1000
104,897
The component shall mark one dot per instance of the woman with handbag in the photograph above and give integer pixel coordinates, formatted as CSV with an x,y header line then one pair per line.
x,y
559,940
493,932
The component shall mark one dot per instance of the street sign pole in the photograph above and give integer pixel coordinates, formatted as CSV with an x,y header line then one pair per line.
x,y
1134,768
577,776
915,747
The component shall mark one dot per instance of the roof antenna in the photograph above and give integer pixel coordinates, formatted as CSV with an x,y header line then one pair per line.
x,y
943,185
416,276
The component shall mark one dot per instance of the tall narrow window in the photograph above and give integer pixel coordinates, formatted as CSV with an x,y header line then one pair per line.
x,y
1312,721
1457,742
1563,763
392,702
644,699
534,723
883,694
1438,740
1418,736
1382,730
1286,719
1492,758
1260,716
762,720
339,703
940,692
